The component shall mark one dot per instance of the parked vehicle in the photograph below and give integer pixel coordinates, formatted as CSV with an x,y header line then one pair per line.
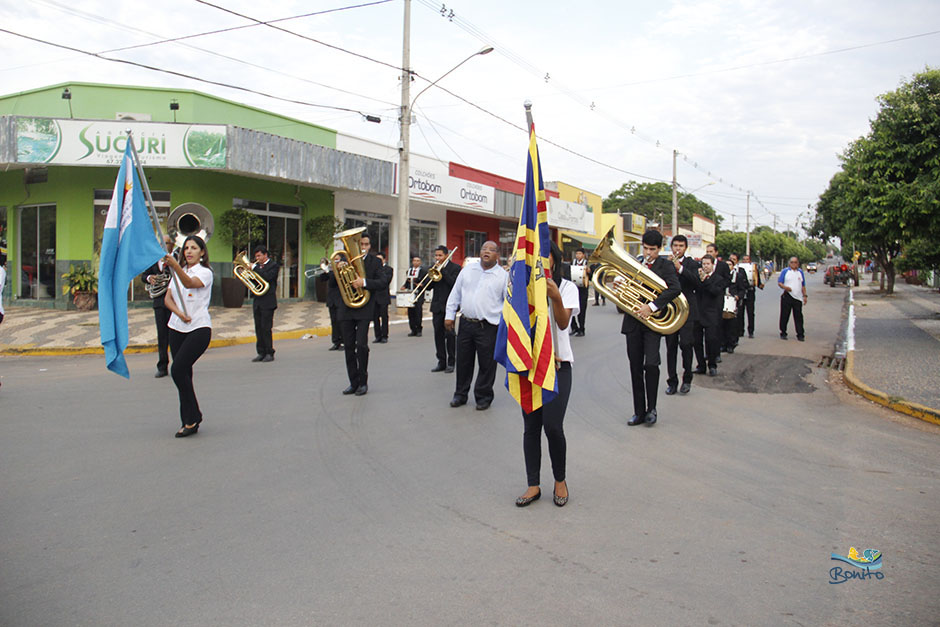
x,y
845,274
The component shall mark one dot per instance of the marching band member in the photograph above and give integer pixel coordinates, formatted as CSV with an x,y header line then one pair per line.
x,y
707,328
382,301
751,295
687,269
564,299
161,315
263,306
445,342
733,328
412,278
577,325
190,334
478,293
333,301
642,342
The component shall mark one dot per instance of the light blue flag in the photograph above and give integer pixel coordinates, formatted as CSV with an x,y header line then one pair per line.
x,y
128,247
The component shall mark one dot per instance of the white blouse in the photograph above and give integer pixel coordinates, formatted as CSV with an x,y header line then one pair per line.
x,y
569,300
196,299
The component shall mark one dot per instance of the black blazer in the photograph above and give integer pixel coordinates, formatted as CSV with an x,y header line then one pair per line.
x,y
410,284
154,269
689,282
710,296
443,287
665,269
737,282
375,280
382,295
269,273
333,299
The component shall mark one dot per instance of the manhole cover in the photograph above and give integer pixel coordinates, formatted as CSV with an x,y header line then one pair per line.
x,y
760,374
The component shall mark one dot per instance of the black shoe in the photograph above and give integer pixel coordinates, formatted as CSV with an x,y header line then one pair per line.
x,y
560,501
483,405
335,347
457,401
699,370
783,336
418,334
439,368
651,418
800,338
362,390
268,357
377,340
718,359
670,390
684,388
258,358
449,369
522,501
750,336
160,374
187,431
635,420
350,390
712,372
412,334
580,333
384,340
731,350
724,349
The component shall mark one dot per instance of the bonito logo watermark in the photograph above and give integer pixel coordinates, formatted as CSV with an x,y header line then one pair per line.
x,y
866,565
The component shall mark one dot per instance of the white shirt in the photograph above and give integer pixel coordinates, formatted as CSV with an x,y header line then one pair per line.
x,y
196,299
794,280
3,280
569,300
478,293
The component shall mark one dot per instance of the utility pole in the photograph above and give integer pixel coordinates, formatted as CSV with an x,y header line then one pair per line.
x,y
775,223
747,238
402,262
675,196
732,223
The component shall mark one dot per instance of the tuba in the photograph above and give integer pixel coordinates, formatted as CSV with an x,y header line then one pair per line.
x,y
354,297
190,218
241,267
637,286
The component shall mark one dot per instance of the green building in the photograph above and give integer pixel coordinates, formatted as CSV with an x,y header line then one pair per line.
x,y
60,148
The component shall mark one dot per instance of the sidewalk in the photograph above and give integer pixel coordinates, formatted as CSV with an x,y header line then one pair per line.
x,y
32,331
896,356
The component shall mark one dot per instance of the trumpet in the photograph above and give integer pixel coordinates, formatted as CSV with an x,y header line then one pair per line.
x,y
243,272
634,286
354,297
433,276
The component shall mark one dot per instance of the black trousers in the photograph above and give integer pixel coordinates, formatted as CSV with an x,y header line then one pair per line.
x,y
729,331
788,304
161,316
335,327
475,341
445,342
577,324
551,418
186,349
682,339
264,324
707,353
380,322
599,296
749,309
414,317
643,353
356,345
739,320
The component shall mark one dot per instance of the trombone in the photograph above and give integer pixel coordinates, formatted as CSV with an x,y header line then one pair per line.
x,y
433,276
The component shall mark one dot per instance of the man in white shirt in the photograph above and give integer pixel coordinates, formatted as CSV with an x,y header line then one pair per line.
x,y
478,293
793,283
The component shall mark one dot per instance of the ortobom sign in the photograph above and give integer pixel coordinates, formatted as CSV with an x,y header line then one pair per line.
x,y
87,142
431,184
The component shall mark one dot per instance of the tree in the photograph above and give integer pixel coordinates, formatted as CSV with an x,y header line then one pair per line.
x,y
888,190
655,199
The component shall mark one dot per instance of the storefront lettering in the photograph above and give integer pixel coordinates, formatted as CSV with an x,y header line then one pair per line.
x,y
104,143
424,186
472,196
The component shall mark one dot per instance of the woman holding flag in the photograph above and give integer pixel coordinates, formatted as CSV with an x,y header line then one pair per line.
x,y
190,331
565,304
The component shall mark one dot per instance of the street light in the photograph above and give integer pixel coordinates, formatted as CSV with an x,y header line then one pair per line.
x,y
404,151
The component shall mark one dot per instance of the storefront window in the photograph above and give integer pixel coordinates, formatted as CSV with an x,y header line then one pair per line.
x,y
507,240
473,242
424,238
377,225
282,239
37,252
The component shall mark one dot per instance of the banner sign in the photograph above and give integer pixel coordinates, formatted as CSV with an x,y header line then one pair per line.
x,y
572,216
88,142
436,185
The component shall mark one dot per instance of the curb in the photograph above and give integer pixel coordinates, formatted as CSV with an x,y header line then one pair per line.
x,y
53,351
916,410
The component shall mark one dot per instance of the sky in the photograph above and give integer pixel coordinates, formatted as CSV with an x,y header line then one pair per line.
x,y
756,96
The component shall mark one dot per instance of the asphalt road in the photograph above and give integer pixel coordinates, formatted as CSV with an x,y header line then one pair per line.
x,y
295,505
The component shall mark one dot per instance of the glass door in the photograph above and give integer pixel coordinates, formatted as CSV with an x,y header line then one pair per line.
x,y
37,252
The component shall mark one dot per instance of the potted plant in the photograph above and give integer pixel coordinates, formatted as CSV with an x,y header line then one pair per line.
x,y
240,228
82,283
320,231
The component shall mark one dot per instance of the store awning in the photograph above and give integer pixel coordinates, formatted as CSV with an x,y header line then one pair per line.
x,y
585,241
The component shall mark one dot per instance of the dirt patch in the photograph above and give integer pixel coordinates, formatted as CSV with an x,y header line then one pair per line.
x,y
760,374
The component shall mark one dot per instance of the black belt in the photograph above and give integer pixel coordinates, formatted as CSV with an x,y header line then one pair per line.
x,y
476,320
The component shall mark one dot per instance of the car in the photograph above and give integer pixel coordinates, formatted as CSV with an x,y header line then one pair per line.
x,y
811,266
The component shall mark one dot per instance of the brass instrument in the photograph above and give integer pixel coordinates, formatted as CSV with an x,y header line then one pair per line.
x,y
634,286
159,285
323,268
433,276
354,297
252,280
190,218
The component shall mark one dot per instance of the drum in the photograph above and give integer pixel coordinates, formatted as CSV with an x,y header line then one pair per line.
x,y
404,299
579,275
730,309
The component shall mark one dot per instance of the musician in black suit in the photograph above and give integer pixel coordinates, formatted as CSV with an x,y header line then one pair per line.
x,y
263,306
413,278
382,300
445,342
333,301
577,324
687,270
732,328
355,320
750,296
707,330
642,342
161,315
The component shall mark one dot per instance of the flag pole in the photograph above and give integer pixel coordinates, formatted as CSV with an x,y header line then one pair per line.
x,y
152,210
530,126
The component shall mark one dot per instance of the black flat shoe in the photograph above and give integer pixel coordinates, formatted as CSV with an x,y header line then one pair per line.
x,y
439,368
160,374
350,390
670,390
560,501
713,372
636,420
362,390
684,388
267,358
699,370
449,369
335,347
482,406
457,402
258,358
522,501
187,431
651,418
